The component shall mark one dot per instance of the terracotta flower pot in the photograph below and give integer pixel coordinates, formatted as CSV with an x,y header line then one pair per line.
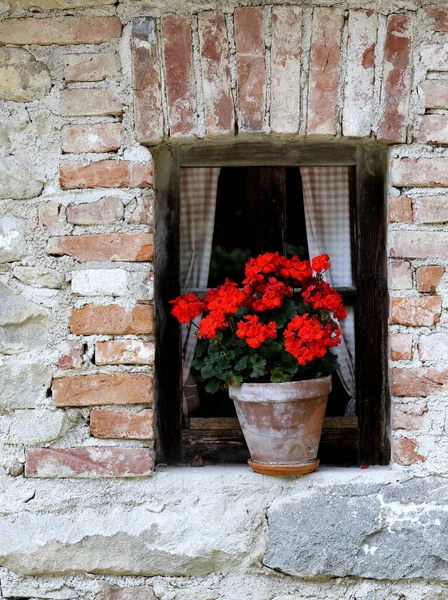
x,y
282,423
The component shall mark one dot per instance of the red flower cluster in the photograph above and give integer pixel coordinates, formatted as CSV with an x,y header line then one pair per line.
x,y
220,303
322,295
320,263
254,332
267,296
277,265
186,308
306,338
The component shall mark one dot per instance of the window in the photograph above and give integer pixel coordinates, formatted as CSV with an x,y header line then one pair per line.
x,y
266,183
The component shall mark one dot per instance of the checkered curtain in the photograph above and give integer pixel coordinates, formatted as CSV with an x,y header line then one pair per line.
x,y
198,188
326,197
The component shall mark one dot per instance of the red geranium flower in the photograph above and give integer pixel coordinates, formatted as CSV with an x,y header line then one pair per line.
x,y
320,263
186,308
254,332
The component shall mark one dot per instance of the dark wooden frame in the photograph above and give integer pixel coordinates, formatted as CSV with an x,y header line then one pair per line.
x,y
369,441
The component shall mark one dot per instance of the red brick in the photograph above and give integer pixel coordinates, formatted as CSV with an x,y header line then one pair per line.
x,y
285,68
432,129
122,424
90,67
438,14
94,137
89,462
148,113
433,347
124,352
359,79
84,102
49,214
95,390
404,452
179,75
435,92
401,346
104,246
218,103
400,276
143,213
325,62
432,209
416,312
106,173
251,73
112,320
407,172
105,211
400,209
408,416
428,278
396,84
419,244
72,352
60,31
419,382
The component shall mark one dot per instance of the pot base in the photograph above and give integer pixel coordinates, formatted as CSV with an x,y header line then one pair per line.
x,y
283,470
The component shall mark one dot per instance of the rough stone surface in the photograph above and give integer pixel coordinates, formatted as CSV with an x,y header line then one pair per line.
x,y
438,16
112,320
24,386
71,354
428,278
12,241
433,129
401,346
121,424
124,352
416,311
404,452
419,382
106,211
40,278
18,180
419,244
400,276
56,4
100,282
433,347
89,462
99,137
143,213
22,77
106,173
376,534
400,209
407,172
23,324
95,390
80,102
49,214
408,416
37,426
105,247
90,67
432,209
139,592
435,93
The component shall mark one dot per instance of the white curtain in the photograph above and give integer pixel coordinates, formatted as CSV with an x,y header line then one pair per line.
x,y
198,188
326,197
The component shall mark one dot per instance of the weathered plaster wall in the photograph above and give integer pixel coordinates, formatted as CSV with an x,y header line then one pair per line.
x,y
76,217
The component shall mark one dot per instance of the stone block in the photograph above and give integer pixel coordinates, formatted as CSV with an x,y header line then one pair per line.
x,y
396,83
71,354
400,276
431,209
56,4
100,282
59,30
12,241
433,347
103,388
40,278
48,214
359,79
18,179
23,386
325,62
85,102
428,278
22,77
251,73
416,312
105,211
401,346
434,57
285,68
94,137
106,173
419,244
90,67
114,592
23,324
435,93
400,209
147,81
122,424
408,416
89,462
218,102
37,426
177,53
132,247
112,320
124,352
143,213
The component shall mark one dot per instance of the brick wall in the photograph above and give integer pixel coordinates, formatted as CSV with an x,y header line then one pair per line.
x,y
89,87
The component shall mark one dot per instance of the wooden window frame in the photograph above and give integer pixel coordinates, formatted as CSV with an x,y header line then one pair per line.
x,y
371,437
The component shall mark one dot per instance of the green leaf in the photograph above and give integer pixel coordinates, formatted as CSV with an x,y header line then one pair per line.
x,y
258,365
236,380
278,376
212,385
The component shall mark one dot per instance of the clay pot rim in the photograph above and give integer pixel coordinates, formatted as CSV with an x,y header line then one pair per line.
x,y
288,391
